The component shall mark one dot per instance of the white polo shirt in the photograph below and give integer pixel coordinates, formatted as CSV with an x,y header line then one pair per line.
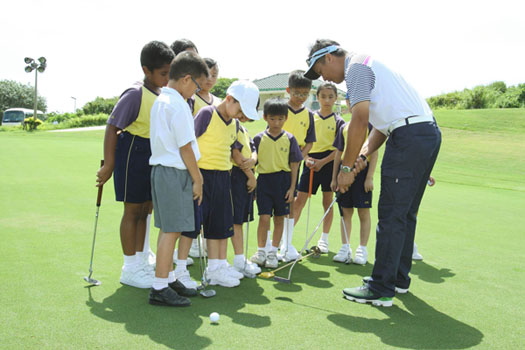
x,y
171,127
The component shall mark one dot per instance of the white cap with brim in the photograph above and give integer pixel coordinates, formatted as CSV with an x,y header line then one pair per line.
x,y
310,73
247,94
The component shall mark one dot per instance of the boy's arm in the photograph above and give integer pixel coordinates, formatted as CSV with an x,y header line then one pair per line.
x,y
294,167
306,149
319,163
110,144
335,171
369,181
239,159
187,155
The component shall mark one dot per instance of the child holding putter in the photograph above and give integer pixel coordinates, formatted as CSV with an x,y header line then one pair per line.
x,y
299,123
321,159
127,152
216,133
175,177
278,162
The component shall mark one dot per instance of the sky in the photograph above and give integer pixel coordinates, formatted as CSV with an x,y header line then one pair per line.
x,y
93,47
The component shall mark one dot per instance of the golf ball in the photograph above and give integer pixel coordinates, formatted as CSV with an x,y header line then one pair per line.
x,y
214,317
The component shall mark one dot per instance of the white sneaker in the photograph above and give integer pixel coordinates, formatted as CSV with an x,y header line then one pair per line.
x,y
323,246
259,258
268,246
194,250
139,277
233,272
250,268
189,261
271,260
415,253
220,277
361,256
183,276
290,255
344,255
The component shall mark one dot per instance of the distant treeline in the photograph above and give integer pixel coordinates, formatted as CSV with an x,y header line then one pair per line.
x,y
495,95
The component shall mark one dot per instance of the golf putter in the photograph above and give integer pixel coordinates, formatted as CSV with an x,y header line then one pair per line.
x,y
88,279
310,185
349,257
271,274
247,274
207,293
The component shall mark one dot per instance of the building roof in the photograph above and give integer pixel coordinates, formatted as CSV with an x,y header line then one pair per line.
x,y
279,82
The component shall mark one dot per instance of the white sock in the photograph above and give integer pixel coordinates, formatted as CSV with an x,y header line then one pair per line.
x,y
238,259
213,264
289,235
140,256
223,263
362,247
146,237
268,238
160,283
324,237
273,249
181,265
346,246
285,233
130,262
171,276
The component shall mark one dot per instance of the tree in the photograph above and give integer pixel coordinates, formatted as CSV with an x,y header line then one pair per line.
x,y
17,95
100,105
221,86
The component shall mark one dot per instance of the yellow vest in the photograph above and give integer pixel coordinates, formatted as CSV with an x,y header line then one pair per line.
x,y
325,131
297,124
200,103
273,154
140,126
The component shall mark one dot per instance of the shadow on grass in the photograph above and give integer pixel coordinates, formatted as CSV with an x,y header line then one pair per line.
x,y
429,273
423,327
168,325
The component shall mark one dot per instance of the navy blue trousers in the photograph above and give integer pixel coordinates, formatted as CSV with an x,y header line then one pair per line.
x,y
410,154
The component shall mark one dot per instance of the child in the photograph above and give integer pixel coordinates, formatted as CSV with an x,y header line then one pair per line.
x,y
181,45
278,155
300,124
204,97
358,196
127,151
175,178
216,133
243,183
321,159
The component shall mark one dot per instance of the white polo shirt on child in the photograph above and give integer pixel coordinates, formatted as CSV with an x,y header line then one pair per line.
x,y
171,127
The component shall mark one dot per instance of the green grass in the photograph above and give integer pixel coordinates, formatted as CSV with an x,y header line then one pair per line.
x,y
466,293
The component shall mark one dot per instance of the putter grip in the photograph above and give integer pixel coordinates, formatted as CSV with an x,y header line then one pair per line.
x,y
99,195
311,182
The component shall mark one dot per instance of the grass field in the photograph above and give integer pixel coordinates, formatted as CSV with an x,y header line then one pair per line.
x,y
466,293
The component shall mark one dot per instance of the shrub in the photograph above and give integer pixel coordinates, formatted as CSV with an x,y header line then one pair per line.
x,y
87,120
54,118
31,123
100,105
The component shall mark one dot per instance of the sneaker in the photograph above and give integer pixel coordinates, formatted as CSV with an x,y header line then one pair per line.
x,y
415,253
259,258
344,255
167,297
323,246
291,254
271,260
247,269
189,261
220,277
364,295
184,277
268,246
194,250
361,256
140,277
398,290
181,289
232,272
144,264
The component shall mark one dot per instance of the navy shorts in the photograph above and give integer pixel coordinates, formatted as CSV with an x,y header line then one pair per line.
x,y
242,200
271,189
356,197
197,216
322,178
217,206
132,174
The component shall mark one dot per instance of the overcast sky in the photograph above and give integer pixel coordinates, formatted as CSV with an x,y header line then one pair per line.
x,y
93,47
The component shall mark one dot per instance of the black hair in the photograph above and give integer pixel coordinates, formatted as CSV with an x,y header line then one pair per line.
x,y
296,79
181,45
156,54
210,62
327,85
322,43
275,106
188,63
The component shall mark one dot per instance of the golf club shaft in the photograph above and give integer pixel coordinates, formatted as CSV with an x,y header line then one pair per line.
x,y
310,185
318,225
99,200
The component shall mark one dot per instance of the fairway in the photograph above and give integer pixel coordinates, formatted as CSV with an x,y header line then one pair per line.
x,y
466,293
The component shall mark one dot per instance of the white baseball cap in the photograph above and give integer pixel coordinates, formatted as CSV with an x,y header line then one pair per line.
x,y
247,93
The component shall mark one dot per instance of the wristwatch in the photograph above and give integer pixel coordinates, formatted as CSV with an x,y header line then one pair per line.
x,y
346,169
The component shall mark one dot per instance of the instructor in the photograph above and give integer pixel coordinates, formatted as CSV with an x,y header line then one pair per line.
x,y
398,113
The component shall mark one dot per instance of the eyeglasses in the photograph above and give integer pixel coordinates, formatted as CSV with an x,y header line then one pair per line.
x,y
197,84
299,95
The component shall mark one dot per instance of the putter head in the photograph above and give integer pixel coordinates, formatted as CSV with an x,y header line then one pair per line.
x,y
267,274
92,281
207,293
281,279
317,252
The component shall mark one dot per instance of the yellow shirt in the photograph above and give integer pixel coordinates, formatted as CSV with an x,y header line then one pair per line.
x,y
325,131
274,154
301,125
246,142
201,103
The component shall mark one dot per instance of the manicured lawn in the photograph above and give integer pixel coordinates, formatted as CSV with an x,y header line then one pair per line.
x,y
466,293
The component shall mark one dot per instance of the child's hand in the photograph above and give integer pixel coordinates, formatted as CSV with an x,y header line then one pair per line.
x,y
318,165
251,184
290,195
369,184
247,163
103,175
333,185
309,162
197,192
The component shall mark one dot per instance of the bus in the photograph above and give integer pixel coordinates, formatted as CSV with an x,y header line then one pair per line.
x,y
16,116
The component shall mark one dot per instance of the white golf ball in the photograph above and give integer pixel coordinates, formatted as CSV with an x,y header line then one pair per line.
x,y
214,317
